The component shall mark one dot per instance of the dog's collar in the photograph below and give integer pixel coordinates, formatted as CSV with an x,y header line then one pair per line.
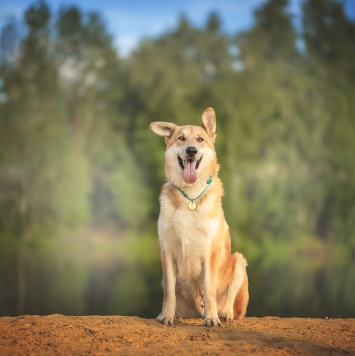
x,y
192,205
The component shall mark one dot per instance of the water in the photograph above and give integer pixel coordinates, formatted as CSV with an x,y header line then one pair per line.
x,y
90,274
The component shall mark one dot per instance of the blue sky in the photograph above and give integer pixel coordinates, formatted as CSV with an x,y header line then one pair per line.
x,y
131,20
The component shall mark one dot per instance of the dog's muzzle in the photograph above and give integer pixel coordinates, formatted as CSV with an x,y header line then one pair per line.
x,y
189,165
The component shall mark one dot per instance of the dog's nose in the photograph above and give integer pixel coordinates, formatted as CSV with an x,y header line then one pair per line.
x,y
191,151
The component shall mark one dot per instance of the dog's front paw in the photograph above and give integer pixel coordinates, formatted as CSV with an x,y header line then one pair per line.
x,y
166,320
226,317
212,322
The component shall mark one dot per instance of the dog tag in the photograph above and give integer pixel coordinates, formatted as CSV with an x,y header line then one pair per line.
x,y
192,205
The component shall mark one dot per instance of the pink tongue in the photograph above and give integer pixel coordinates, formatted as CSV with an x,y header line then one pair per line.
x,y
190,173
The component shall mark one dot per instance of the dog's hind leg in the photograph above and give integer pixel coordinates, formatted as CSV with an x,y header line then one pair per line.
x,y
235,298
242,299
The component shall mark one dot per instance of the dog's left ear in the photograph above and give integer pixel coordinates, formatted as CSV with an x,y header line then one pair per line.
x,y
161,128
209,122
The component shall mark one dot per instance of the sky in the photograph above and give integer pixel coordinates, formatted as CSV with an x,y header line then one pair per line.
x,y
129,21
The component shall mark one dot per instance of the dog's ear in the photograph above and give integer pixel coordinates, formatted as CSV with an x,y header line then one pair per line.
x,y
209,122
161,128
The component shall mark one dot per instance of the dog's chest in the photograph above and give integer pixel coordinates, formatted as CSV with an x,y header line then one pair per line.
x,y
187,235
192,242
192,227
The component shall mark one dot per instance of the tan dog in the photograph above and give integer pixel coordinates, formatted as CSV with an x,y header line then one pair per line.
x,y
201,278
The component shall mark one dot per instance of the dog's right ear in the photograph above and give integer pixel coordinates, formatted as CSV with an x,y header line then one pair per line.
x,y
161,128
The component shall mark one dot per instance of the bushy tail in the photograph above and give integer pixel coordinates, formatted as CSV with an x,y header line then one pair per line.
x,y
242,299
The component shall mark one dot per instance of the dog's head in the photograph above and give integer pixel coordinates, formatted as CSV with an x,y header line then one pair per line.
x,y
190,155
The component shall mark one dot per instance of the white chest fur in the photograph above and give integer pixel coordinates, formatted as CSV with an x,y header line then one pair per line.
x,y
187,235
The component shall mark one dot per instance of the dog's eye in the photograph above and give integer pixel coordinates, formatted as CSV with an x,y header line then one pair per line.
x,y
200,139
182,138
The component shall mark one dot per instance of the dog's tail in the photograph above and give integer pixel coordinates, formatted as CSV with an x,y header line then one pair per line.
x,y
242,299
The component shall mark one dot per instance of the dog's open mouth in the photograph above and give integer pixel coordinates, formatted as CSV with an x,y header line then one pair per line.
x,y
189,168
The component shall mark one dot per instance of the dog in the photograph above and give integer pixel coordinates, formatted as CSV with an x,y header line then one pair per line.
x,y
201,278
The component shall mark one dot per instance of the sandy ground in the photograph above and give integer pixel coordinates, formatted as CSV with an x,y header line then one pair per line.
x,y
83,335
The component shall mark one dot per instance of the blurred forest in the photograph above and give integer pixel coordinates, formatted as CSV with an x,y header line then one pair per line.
x,y
80,171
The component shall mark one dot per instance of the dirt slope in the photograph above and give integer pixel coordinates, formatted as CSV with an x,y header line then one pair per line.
x,y
59,334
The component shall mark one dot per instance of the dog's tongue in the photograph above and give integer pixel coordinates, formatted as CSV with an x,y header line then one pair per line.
x,y
190,173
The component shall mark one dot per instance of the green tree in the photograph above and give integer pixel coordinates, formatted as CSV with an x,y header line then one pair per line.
x,y
268,198
37,163
92,79
330,41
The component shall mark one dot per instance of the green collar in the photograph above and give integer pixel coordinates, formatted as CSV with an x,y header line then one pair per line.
x,y
192,205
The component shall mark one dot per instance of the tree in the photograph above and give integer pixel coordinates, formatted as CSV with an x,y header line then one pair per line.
x,y
34,146
329,37
330,41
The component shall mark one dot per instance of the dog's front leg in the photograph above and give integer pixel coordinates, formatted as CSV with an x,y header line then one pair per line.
x,y
169,280
210,291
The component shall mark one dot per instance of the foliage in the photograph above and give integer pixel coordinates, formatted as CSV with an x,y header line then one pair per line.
x,y
75,141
